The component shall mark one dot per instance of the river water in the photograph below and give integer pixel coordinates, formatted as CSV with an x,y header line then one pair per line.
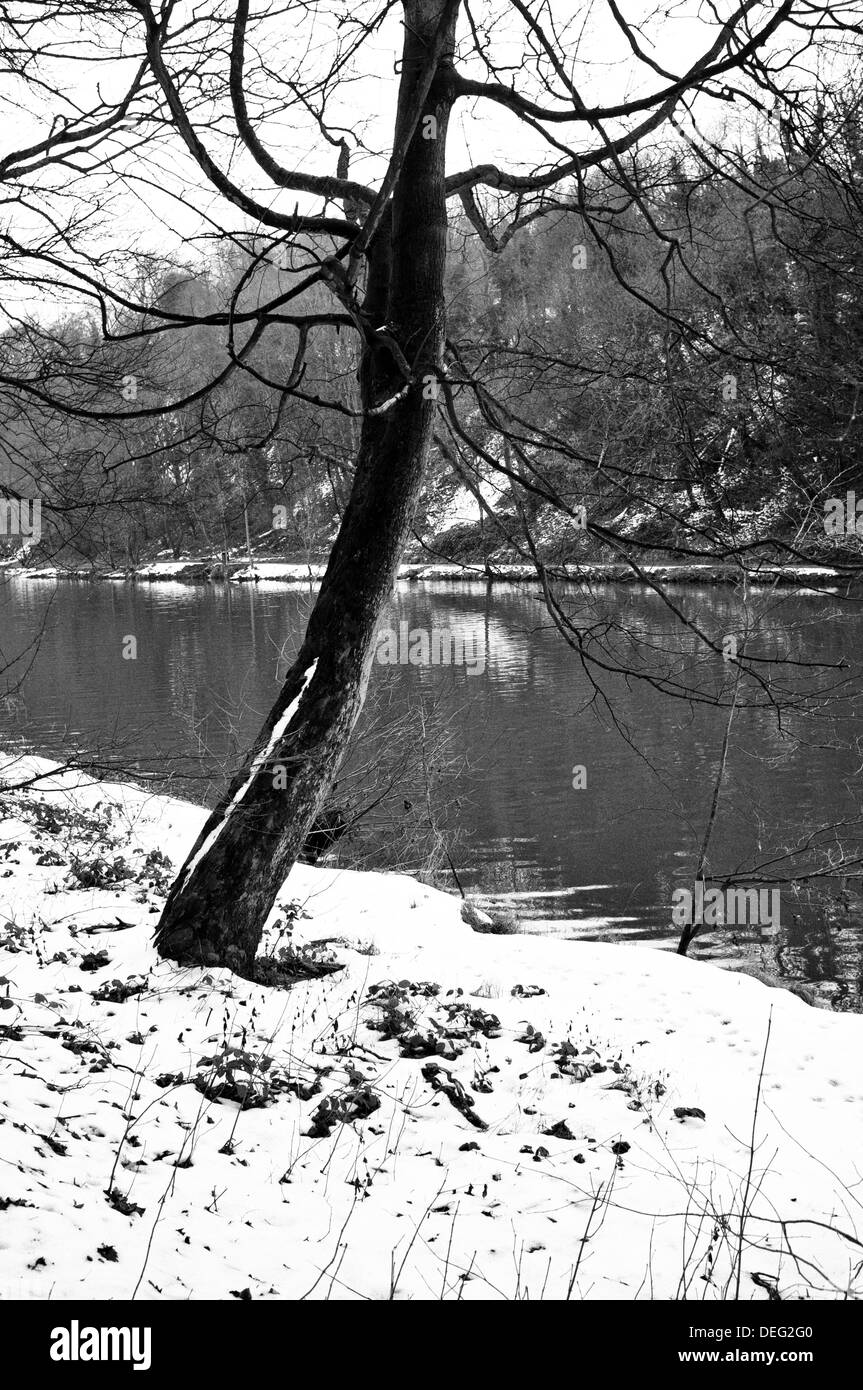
x,y
499,743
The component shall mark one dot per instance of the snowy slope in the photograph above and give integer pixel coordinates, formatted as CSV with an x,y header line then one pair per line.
x,y
393,1137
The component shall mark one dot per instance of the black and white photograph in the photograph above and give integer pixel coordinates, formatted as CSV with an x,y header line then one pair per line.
x,y
431,670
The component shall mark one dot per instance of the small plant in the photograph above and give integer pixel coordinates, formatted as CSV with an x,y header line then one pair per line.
x,y
50,856
95,960
294,963
395,1018
99,872
237,1075
118,991
122,1204
157,870
283,927
355,1104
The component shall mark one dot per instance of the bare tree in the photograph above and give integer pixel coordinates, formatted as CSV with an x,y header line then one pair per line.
x,y
371,264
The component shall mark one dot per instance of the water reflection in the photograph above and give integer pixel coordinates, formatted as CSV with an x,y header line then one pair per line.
x,y
601,862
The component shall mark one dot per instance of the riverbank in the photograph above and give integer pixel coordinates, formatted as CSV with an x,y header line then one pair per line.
x,y
446,1114
190,571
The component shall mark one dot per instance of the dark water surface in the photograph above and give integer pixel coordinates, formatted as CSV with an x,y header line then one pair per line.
x,y
600,862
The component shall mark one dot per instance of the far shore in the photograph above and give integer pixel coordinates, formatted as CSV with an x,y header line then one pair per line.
x,y
814,575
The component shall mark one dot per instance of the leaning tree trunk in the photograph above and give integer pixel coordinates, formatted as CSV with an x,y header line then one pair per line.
x,y
218,904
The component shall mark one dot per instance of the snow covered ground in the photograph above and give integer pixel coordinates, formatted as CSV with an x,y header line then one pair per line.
x,y
449,1115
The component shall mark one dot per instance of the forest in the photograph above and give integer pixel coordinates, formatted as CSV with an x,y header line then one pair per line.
x,y
682,350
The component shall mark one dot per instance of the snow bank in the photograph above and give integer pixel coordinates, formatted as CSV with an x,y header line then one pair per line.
x,y
199,571
450,1115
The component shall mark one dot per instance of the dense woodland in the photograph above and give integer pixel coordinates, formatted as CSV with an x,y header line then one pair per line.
x,y
689,343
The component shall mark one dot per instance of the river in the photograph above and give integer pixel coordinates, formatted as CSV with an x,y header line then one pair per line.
x,y
599,861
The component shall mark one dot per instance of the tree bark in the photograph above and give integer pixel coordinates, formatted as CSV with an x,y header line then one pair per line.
x,y
221,898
